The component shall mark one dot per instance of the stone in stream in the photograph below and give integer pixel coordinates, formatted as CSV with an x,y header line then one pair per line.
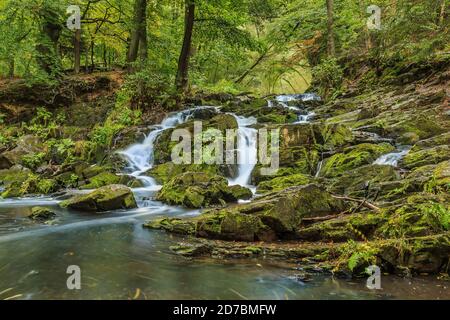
x,y
199,190
41,214
107,198
275,216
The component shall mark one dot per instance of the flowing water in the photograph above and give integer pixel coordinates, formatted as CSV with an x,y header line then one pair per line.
x,y
247,151
295,102
393,158
119,259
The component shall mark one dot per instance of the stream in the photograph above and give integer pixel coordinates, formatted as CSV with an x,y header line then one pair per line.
x,y
119,259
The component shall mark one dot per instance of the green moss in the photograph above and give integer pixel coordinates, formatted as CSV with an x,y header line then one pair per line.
x,y
199,189
101,180
429,156
354,157
282,183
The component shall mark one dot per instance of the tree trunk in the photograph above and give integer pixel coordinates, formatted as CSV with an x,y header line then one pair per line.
x,y
442,14
77,46
138,40
182,79
331,49
11,67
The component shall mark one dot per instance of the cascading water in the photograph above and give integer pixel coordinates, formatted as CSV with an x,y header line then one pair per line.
x,y
140,156
392,159
247,151
286,101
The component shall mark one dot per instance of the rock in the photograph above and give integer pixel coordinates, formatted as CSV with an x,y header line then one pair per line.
x,y
101,180
107,198
357,227
26,145
163,145
163,173
191,250
199,190
355,182
424,157
41,214
278,215
354,157
172,225
281,183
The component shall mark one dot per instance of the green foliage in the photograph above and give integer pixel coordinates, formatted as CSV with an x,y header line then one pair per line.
x,y
34,160
329,77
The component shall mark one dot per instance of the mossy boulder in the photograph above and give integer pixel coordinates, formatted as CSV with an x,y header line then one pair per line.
x,y
26,145
30,184
163,145
233,226
41,214
269,217
163,173
107,198
357,227
101,180
354,157
281,183
424,157
355,182
198,190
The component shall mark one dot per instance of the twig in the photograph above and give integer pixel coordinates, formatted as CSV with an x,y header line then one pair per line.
x,y
363,203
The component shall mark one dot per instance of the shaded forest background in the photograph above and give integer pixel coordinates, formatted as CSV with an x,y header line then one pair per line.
x,y
262,46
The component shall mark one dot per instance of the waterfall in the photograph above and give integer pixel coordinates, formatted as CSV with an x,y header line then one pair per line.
x,y
247,151
140,156
392,159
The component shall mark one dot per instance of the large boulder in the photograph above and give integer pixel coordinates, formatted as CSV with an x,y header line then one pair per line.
x,y
26,145
276,216
199,190
107,198
424,157
354,157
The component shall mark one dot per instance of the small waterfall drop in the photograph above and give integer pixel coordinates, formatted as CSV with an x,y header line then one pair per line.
x,y
286,101
393,158
247,151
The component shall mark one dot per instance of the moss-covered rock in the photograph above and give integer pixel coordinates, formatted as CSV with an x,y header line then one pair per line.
x,y
421,215
358,227
424,157
281,183
198,190
163,173
172,225
355,182
278,215
354,157
107,198
163,145
41,214
101,180
26,145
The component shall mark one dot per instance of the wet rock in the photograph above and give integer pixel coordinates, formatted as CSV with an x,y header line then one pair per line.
x,y
172,225
191,250
41,214
198,190
107,198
